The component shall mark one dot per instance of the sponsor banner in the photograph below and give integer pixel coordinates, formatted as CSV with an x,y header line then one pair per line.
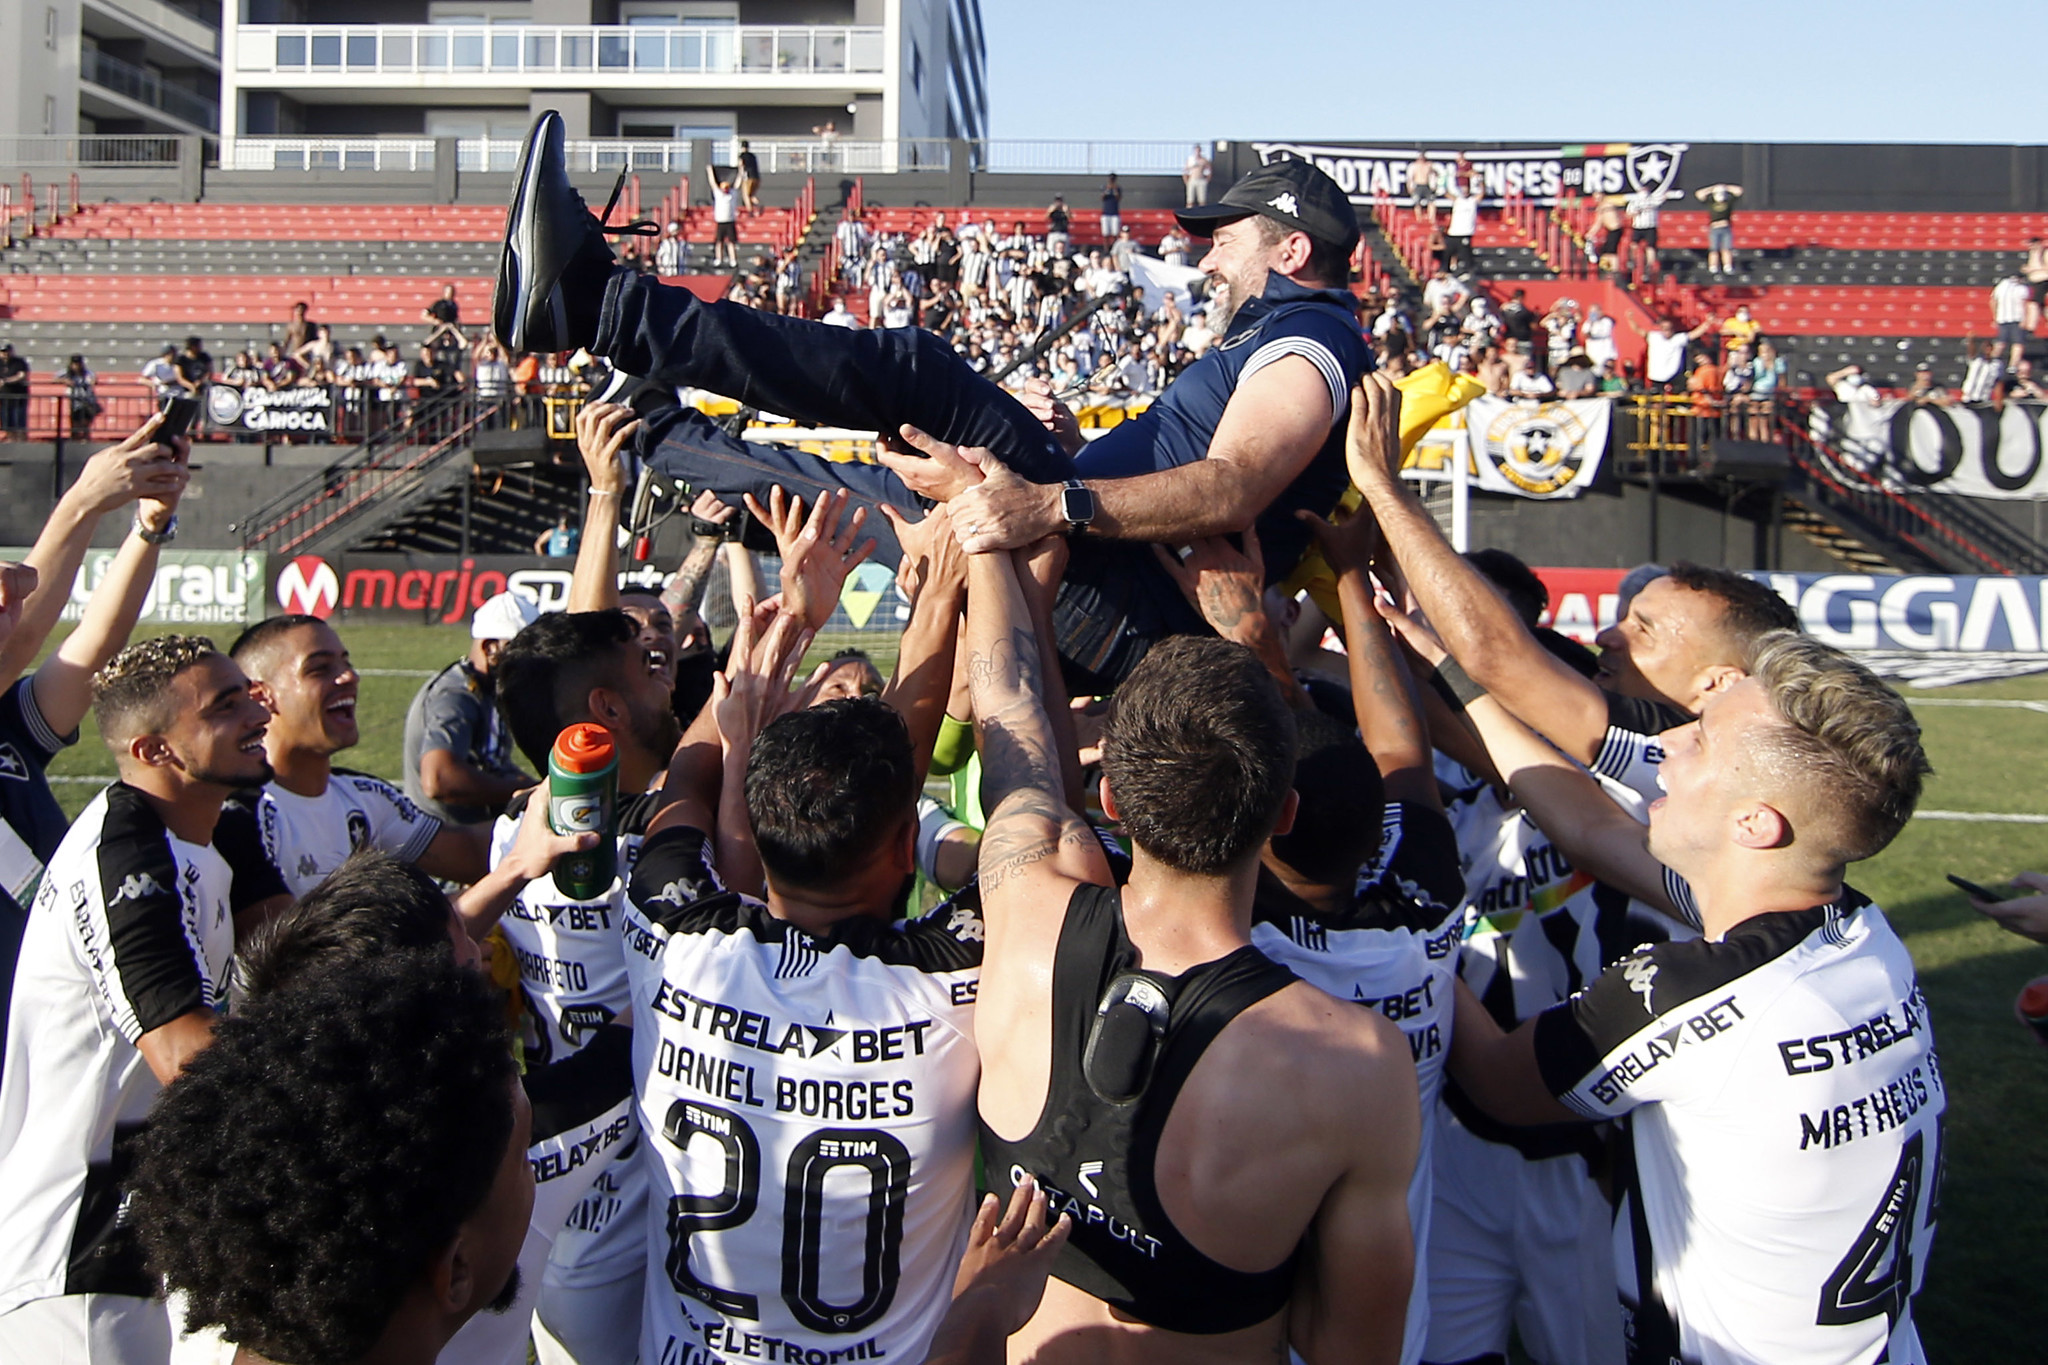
x,y
1981,452
446,589
1541,175
1922,614
192,588
289,410
1526,450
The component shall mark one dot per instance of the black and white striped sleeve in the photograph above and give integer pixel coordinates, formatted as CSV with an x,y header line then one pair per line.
x,y
147,964
1316,354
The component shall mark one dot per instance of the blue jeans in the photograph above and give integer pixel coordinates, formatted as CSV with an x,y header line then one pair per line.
x,y
1115,601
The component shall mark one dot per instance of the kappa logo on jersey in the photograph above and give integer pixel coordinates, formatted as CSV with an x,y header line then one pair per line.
x,y
677,892
11,765
965,925
307,586
135,886
1641,975
1284,201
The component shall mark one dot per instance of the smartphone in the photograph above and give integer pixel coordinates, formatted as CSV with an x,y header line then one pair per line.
x,y
179,410
1979,892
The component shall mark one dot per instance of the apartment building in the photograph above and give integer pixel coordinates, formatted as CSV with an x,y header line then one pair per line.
x,y
786,74
134,67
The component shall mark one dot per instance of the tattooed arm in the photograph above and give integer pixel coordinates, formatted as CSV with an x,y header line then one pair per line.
x,y
1228,588
1035,847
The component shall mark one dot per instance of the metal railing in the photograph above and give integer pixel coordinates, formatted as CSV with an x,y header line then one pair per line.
x,y
147,87
329,154
1076,157
516,50
89,150
381,472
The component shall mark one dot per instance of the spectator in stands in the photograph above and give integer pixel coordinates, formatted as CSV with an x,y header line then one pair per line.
x,y
1612,379
317,355
1980,379
1174,246
1112,208
458,754
1491,369
244,373
1850,386
1740,330
1576,376
280,371
491,375
559,541
725,232
1561,327
1517,319
444,321
1664,368
1642,226
1703,382
1422,180
1442,293
1721,204
1463,226
668,252
14,381
432,374
299,330
1529,381
1608,224
1058,238
161,374
2036,273
838,316
81,387
2021,386
195,366
1194,177
827,134
1924,390
750,178
1766,377
2010,299
1596,335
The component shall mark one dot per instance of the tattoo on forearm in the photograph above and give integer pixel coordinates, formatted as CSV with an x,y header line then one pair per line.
x,y
688,584
1226,605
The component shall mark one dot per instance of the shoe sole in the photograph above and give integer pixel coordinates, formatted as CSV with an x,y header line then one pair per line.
x,y
522,245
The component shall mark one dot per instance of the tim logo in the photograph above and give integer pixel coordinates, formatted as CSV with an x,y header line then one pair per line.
x,y
307,586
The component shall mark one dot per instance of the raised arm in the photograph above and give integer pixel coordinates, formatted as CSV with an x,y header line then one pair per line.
x,y
753,690
1585,824
1228,587
934,573
686,590
1383,696
1482,632
63,684
116,475
818,550
602,430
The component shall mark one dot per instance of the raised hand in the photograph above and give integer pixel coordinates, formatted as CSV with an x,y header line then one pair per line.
x,y
1349,545
536,845
1372,443
602,430
817,551
712,508
138,467
1227,586
1010,1252
931,551
942,472
1059,419
17,581
754,688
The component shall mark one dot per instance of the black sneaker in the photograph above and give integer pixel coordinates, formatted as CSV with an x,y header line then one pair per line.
x,y
551,278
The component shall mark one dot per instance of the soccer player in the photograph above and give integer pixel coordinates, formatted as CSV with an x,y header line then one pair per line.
x,y
1778,1074
805,1060
1234,1145
122,971
311,815
318,1208
565,668
1361,895
1685,636
1249,434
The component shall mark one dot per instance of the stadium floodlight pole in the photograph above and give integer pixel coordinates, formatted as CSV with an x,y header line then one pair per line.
x,y
1052,338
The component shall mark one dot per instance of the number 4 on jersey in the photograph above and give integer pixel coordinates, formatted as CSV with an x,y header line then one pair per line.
x,y
1876,1277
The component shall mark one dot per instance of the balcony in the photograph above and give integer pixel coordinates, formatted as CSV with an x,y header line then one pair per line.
x,y
521,55
146,87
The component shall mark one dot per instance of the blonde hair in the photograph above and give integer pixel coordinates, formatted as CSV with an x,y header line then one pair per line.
x,y
1850,742
132,695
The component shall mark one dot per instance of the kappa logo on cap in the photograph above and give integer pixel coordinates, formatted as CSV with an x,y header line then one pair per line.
x,y
1284,201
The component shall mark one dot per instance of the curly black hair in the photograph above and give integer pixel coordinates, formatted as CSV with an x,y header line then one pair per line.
x,y
372,904
303,1171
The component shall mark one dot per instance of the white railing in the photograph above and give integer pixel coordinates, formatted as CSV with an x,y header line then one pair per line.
x,y
328,154
89,150
807,156
508,51
1046,156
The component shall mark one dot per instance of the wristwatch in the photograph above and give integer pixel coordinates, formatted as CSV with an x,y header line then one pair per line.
x,y
1077,506
163,537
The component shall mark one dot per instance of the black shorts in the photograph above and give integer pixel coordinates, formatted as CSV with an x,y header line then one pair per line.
x,y
2012,334
725,232
1648,237
1607,241
2037,290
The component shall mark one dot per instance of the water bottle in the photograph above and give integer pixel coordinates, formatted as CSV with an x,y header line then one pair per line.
x,y
583,794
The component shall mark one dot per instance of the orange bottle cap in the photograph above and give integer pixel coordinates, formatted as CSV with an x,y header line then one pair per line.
x,y
2034,998
584,748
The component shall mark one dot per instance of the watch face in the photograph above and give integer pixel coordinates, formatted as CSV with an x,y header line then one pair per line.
x,y
1077,505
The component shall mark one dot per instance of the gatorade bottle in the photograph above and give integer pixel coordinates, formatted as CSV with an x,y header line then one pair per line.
x,y
2033,1006
583,793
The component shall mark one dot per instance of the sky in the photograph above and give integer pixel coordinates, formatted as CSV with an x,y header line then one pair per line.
x,y
1651,70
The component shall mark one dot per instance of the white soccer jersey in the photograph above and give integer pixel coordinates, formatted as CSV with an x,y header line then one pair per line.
x,y
307,837
1397,953
131,928
809,1110
572,971
1784,1102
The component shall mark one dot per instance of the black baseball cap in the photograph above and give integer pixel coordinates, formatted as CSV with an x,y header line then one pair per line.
x,y
1292,192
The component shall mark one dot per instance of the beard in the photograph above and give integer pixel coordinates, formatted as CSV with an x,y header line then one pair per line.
x,y
507,1296
658,731
259,773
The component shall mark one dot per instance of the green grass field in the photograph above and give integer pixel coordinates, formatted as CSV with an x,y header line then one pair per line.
x,y
1978,1304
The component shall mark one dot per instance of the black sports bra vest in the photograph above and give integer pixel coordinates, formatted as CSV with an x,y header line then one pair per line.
x,y
1095,1158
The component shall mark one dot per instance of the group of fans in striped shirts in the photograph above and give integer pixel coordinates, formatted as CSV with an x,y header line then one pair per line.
x,y
1394,1004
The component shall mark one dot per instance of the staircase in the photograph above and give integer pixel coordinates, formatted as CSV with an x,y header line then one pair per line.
x,y
506,511
375,487
1845,549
